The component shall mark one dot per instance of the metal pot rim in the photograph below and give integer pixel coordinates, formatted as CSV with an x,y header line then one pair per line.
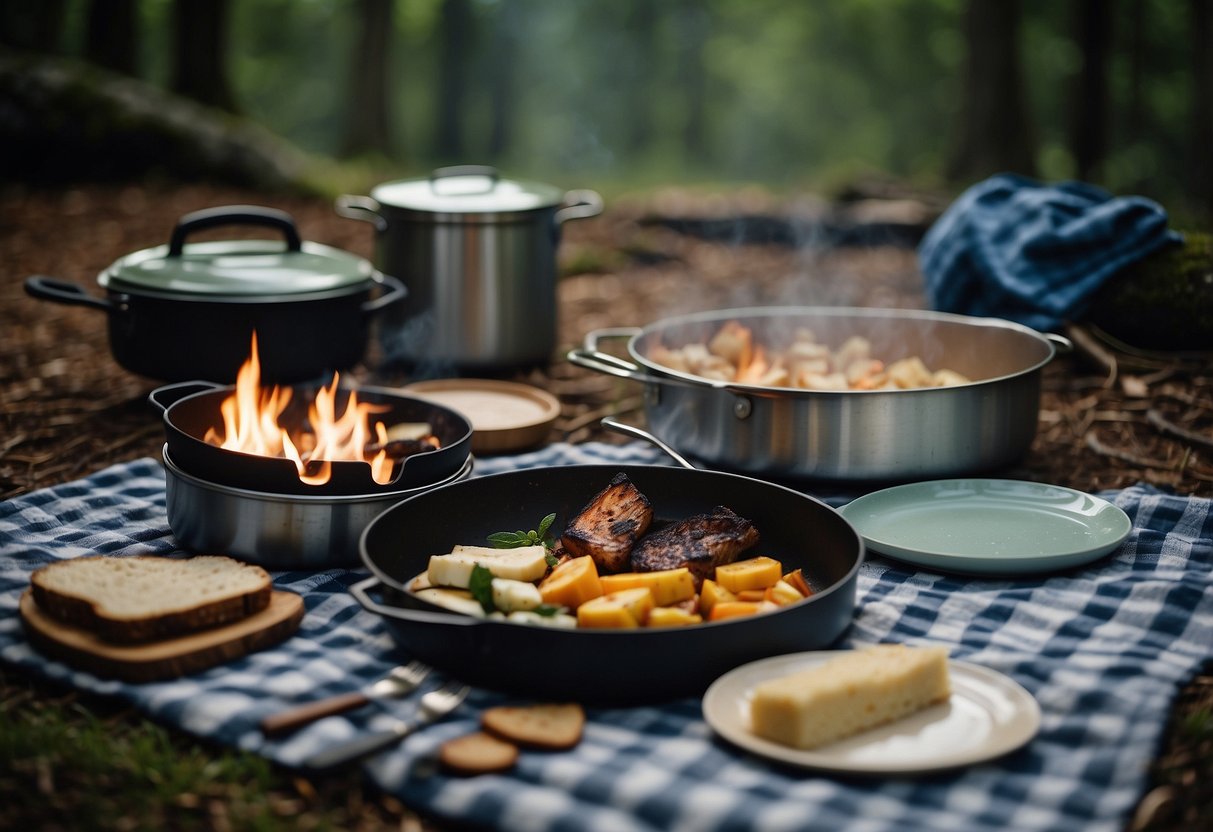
x,y
311,499
1051,343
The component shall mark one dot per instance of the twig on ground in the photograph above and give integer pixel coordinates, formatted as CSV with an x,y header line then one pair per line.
x,y
1160,422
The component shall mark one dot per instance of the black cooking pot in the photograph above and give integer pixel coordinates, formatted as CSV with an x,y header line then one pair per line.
x,y
179,312
192,408
605,667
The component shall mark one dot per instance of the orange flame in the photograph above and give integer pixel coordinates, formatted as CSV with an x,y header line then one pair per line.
x,y
251,425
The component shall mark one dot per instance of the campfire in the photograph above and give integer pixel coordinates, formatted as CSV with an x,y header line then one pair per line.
x,y
337,427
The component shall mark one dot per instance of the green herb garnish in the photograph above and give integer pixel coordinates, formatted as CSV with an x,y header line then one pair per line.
x,y
518,539
481,586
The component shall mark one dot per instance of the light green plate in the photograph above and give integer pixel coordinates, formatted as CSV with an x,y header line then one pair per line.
x,y
988,526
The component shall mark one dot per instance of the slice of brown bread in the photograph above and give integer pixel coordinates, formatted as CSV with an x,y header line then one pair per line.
x,y
478,753
146,597
552,727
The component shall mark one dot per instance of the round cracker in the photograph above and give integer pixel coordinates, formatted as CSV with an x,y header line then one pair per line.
x,y
551,727
477,753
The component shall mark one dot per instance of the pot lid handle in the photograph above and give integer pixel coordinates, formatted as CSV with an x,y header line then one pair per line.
x,y
465,171
234,215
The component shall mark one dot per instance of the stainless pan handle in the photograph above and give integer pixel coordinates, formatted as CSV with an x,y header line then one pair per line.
x,y
579,205
638,433
591,357
168,395
362,208
362,593
395,291
1061,343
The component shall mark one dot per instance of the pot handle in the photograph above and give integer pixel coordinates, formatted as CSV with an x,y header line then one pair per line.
x,y
60,291
233,215
395,291
168,395
639,433
578,205
362,592
1062,344
360,208
591,357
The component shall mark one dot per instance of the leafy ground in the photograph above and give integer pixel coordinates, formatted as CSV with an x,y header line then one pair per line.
x,y
1109,418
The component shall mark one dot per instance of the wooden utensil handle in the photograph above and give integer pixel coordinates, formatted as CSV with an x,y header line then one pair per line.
x,y
284,721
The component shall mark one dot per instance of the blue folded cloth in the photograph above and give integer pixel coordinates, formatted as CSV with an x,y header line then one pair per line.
x,y
1010,247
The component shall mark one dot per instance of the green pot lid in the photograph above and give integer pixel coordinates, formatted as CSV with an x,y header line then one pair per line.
x,y
467,189
238,268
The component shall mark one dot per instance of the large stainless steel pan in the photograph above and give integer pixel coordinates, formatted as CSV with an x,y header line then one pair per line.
x,y
615,667
851,435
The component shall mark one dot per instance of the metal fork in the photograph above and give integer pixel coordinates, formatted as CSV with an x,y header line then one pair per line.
x,y
400,681
434,706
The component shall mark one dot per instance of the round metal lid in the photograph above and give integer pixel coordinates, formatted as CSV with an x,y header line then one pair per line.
x,y
467,189
243,268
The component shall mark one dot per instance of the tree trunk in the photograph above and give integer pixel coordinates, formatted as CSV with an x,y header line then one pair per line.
x,y
640,23
1202,106
455,38
994,133
1089,111
200,52
368,117
693,26
111,38
502,91
33,26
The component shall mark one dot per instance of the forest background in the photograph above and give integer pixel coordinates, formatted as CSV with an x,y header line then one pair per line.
x,y
799,95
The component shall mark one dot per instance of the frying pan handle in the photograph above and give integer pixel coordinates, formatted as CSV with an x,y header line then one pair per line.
x,y
168,395
395,291
60,291
362,593
233,215
360,208
591,357
633,431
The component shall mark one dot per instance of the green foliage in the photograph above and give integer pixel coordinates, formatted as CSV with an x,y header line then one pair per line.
x,y
780,92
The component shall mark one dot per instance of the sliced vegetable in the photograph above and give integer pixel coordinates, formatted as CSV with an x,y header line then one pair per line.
x,y
509,595
711,594
624,609
672,617
796,578
755,573
734,609
525,564
572,583
669,586
782,593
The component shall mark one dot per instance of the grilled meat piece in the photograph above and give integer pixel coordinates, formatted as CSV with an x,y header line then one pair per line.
x,y
700,543
608,527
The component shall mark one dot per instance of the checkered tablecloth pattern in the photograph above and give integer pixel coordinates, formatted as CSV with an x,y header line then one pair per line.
x,y
1103,649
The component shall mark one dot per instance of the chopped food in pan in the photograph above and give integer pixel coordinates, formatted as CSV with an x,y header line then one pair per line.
x,y
732,354
608,570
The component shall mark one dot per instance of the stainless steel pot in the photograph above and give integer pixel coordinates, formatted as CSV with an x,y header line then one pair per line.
x,y
851,435
478,254
277,531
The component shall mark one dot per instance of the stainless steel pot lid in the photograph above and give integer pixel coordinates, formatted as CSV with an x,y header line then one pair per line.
x,y
467,189
237,268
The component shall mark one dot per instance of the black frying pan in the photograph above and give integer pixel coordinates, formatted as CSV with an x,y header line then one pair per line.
x,y
605,667
191,408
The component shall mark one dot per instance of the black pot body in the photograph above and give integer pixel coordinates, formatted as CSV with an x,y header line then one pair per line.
x,y
175,339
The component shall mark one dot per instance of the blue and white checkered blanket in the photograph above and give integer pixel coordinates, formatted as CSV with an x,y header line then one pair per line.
x,y
1103,649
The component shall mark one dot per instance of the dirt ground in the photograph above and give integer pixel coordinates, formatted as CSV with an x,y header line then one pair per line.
x,y
1109,418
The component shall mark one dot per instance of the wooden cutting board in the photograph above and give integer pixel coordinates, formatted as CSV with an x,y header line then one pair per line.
x,y
166,659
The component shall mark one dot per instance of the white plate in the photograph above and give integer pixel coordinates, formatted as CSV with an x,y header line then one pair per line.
x,y
988,526
988,715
